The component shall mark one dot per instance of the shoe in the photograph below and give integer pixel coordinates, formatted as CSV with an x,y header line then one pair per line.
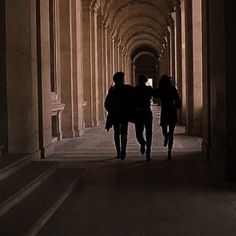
x,y
148,153
118,157
142,149
169,157
123,155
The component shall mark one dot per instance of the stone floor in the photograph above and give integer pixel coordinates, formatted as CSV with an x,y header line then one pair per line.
x,y
182,197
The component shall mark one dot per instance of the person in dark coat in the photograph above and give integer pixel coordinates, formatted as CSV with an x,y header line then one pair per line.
x,y
143,115
118,104
170,103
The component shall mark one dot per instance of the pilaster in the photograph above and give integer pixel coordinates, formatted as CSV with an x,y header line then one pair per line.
x,y
67,63
21,65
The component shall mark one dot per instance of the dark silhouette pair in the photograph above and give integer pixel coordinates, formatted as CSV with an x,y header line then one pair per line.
x,y
125,103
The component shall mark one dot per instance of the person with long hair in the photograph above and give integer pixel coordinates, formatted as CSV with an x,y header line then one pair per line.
x,y
170,103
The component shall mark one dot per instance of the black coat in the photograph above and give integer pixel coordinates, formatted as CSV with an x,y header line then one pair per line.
x,y
119,104
142,103
170,103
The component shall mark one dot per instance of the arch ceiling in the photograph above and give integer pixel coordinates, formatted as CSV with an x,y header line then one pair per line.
x,y
144,49
139,23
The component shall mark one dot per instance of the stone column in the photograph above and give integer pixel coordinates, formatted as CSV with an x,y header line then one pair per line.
x,y
87,65
178,55
123,60
44,90
221,86
183,48
206,119
168,54
160,64
74,72
120,57
113,54
130,78
172,48
127,68
115,45
134,82
3,81
77,69
67,63
22,76
197,67
126,65
106,57
230,45
189,66
94,58
110,57
101,67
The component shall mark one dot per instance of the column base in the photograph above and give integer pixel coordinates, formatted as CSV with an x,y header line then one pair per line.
x,y
68,134
79,133
88,123
96,123
2,148
217,163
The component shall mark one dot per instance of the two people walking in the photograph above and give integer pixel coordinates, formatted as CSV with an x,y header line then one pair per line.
x,y
125,104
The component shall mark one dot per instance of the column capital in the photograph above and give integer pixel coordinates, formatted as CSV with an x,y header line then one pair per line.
x,y
170,20
118,42
105,22
94,6
113,33
178,3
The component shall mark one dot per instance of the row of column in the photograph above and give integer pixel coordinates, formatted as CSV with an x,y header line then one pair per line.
x,y
103,55
27,108
30,110
181,58
69,66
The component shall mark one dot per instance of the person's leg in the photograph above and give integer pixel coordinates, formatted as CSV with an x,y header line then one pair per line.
x,y
124,132
165,134
171,139
139,128
117,139
148,127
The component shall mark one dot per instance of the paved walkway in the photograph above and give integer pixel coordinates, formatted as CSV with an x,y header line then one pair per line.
x,y
182,197
97,144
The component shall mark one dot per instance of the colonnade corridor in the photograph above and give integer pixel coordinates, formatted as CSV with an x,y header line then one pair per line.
x,y
182,197
97,145
58,172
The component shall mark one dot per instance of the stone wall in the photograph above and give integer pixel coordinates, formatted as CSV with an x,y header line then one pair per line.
x,y
222,75
3,85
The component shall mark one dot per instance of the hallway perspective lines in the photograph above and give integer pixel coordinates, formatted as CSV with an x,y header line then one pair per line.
x,y
97,144
181,197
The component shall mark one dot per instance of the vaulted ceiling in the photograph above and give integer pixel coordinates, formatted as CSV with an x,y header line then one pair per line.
x,y
139,24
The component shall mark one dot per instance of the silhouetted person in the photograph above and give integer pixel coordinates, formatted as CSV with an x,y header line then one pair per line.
x,y
170,102
143,115
118,103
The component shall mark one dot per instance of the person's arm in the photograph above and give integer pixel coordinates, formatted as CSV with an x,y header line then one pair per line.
x,y
155,92
107,103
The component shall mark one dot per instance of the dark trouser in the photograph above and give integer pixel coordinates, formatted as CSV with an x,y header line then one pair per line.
x,y
120,137
168,133
144,120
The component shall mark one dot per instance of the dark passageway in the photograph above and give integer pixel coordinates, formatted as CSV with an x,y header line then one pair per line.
x,y
57,61
184,196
